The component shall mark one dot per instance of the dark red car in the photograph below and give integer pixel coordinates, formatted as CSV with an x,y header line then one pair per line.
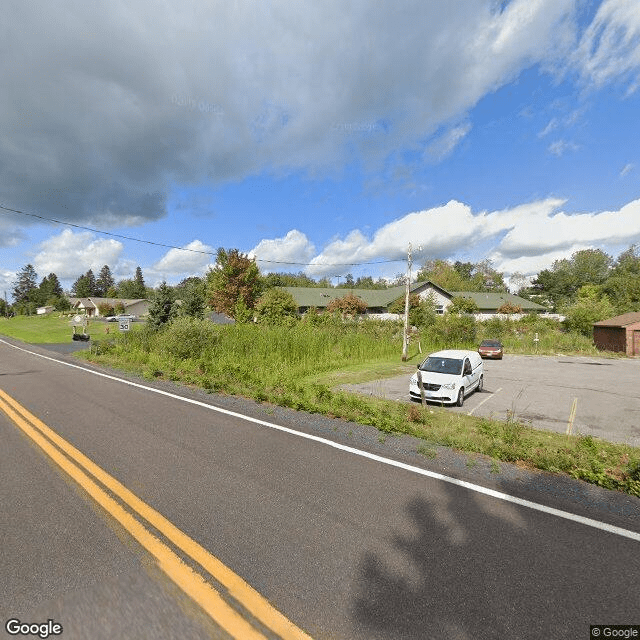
x,y
491,349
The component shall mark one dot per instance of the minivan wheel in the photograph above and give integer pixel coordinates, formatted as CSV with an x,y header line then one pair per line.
x,y
481,383
460,397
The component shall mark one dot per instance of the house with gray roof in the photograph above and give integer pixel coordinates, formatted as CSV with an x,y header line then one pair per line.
x,y
91,306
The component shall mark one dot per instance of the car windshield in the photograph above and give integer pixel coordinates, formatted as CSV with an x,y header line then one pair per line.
x,y
442,365
490,343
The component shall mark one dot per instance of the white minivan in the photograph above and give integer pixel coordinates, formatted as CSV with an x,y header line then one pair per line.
x,y
448,376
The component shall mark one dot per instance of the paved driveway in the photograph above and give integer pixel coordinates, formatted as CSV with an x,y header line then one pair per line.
x,y
543,390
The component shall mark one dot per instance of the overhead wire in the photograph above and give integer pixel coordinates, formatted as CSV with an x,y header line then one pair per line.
x,y
209,253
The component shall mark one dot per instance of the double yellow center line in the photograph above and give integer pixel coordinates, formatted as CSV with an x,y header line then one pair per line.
x,y
262,620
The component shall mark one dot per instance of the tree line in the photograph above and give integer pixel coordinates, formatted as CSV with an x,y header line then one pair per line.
x,y
28,295
589,286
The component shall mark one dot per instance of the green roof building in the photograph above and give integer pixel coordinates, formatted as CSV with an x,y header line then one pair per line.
x,y
378,300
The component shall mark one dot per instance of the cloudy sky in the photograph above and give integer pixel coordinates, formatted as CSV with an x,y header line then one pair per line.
x,y
319,136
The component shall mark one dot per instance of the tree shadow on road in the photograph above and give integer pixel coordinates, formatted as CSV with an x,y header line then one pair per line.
x,y
478,568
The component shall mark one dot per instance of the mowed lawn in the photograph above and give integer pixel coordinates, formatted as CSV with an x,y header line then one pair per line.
x,y
51,328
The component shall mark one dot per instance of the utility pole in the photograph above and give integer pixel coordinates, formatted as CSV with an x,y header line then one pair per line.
x,y
405,333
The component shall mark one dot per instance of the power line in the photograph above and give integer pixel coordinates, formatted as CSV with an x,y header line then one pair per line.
x,y
208,253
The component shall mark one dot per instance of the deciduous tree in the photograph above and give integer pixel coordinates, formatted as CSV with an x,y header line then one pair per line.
x,y
233,283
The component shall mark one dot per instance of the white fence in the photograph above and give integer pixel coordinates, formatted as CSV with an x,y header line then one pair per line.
x,y
478,316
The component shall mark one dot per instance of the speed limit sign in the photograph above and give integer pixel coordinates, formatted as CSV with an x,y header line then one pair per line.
x,y
124,324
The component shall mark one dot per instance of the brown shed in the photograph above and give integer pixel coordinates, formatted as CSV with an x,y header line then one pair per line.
x,y
621,333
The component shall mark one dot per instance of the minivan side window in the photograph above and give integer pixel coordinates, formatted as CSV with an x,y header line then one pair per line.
x,y
467,368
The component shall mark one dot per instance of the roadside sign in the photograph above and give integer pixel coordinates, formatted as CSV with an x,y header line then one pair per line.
x,y
124,324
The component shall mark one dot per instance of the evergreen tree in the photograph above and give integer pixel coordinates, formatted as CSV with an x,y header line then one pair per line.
x,y
91,280
190,292
104,282
50,291
84,286
54,285
162,308
140,288
25,285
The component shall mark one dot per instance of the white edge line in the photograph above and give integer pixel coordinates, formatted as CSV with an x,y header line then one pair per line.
x,y
596,524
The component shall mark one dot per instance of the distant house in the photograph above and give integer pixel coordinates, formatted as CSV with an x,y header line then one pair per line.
x,y
621,334
378,300
91,306
41,311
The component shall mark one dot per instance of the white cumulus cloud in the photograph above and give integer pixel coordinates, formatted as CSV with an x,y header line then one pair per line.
x,y
273,254
70,254
524,238
191,259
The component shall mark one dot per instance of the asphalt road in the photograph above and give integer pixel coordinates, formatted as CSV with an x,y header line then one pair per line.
x,y
541,391
342,543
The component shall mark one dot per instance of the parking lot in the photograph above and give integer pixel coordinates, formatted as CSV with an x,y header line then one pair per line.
x,y
543,391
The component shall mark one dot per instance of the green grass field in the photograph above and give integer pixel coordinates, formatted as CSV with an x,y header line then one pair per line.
x,y
54,328
38,329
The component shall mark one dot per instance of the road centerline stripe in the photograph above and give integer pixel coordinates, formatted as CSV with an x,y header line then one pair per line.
x,y
596,524
201,591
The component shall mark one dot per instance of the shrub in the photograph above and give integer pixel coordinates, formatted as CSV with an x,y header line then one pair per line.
x,y
460,304
106,309
187,337
581,316
397,306
509,308
276,306
349,305
495,327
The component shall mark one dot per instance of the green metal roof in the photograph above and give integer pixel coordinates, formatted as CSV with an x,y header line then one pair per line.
x,y
493,300
321,297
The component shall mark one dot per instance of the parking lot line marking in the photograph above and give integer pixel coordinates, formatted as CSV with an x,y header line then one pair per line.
x,y
572,416
84,471
499,495
485,400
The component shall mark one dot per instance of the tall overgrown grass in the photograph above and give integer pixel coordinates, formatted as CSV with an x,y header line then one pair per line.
x,y
280,365
247,355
